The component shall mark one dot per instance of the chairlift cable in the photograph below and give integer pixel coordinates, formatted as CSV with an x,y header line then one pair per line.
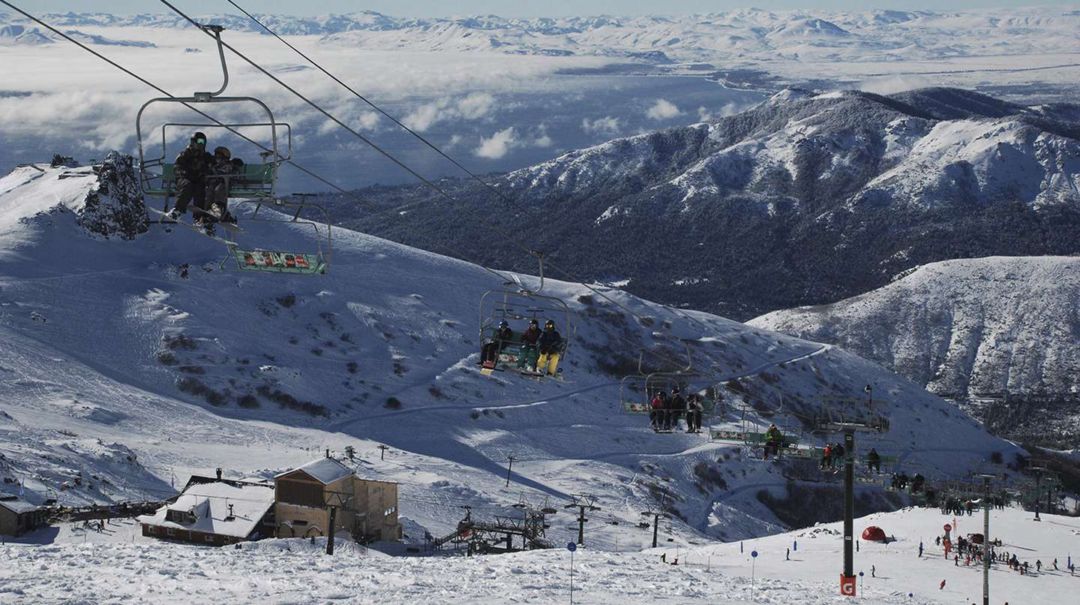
x,y
205,115
161,90
570,276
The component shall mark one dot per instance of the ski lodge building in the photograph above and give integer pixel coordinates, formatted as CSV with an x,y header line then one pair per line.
x,y
305,496
17,516
215,511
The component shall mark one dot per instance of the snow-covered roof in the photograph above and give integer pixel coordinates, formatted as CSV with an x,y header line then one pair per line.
x,y
324,470
17,505
210,503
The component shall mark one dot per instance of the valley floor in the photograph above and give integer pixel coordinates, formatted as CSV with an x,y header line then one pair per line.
x,y
119,566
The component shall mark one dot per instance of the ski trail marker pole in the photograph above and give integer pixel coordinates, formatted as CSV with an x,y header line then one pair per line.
x,y
571,546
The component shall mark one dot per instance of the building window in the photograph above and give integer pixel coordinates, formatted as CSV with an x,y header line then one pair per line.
x,y
209,538
299,492
170,532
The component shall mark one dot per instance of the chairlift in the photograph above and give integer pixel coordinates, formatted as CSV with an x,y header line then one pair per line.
x,y
255,184
517,305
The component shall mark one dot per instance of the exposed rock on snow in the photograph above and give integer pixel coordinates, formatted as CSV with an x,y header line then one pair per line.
x,y
115,208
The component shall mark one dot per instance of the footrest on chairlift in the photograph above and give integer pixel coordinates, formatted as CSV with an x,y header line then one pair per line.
x,y
279,262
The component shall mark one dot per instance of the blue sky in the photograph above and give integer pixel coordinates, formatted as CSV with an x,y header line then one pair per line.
x,y
508,8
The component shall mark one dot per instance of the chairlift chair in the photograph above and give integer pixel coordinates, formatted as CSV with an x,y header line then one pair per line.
x,y
517,306
256,184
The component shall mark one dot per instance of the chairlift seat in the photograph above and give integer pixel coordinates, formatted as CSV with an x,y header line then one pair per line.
x,y
634,407
256,181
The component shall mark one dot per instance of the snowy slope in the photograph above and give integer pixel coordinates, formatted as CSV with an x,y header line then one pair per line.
x,y
111,567
999,330
255,373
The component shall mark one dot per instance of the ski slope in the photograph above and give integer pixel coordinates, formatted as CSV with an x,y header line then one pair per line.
x,y
116,565
104,341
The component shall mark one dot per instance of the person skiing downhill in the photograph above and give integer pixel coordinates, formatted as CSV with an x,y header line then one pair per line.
x,y
190,170
550,349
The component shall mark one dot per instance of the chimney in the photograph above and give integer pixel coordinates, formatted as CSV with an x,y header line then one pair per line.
x,y
327,452
219,473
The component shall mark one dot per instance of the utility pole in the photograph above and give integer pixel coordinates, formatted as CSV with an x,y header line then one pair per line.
x,y
986,537
382,452
1038,488
582,502
509,468
869,422
655,514
334,500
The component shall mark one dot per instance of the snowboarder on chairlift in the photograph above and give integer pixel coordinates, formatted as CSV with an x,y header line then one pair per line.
x,y
873,461
694,410
529,353
489,353
773,438
826,456
550,349
218,183
676,408
190,171
659,411
837,455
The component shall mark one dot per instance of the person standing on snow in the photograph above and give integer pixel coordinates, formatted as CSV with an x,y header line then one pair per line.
x,y
190,171
551,346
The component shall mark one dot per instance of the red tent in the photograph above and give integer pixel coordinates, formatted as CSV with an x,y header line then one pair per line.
x,y
874,534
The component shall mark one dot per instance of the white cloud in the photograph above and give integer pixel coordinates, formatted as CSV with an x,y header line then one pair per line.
x,y
607,125
663,110
498,145
476,105
705,115
543,139
890,85
473,106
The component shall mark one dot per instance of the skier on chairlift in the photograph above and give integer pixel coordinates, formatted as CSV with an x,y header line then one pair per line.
x,y
676,408
773,439
218,182
529,353
489,353
191,167
658,413
873,461
694,410
550,349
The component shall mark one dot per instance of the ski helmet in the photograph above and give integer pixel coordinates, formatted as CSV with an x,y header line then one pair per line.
x,y
549,324
223,152
199,139
503,324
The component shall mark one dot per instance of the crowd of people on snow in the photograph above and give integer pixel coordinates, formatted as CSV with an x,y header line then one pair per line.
x,y
204,179
540,349
971,551
901,481
665,411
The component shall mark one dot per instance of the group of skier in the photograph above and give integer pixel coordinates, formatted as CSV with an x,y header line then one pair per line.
x,y
666,411
540,349
204,179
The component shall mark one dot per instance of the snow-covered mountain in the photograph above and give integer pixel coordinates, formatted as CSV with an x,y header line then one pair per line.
x,y
997,334
19,35
805,199
739,37
145,341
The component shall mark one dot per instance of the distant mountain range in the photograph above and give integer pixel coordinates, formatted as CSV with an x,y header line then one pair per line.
x,y
19,35
740,36
805,199
999,335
